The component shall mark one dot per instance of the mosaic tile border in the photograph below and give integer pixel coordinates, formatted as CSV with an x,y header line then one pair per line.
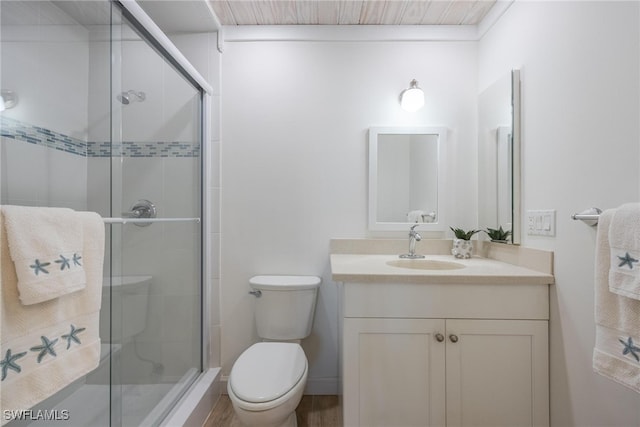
x,y
19,131
143,149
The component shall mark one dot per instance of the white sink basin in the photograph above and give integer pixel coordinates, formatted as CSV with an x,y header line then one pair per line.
x,y
425,264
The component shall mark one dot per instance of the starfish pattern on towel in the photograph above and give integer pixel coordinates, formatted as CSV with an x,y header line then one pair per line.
x,y
72,336
76,259
627,259
39,267
9,362
64,262
630,348
45,348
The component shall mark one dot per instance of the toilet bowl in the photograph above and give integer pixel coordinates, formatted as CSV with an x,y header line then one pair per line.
x,y
267,383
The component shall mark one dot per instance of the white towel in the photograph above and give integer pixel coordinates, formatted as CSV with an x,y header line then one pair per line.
x,y
46,247
44,347
624,241
617,349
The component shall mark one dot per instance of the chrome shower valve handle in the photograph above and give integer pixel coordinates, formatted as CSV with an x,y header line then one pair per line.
x,y
141,209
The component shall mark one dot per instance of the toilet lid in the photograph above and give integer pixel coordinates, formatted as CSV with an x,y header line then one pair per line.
x,y
267,370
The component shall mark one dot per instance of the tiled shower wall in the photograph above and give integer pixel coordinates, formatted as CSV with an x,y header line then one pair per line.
x,y
42,156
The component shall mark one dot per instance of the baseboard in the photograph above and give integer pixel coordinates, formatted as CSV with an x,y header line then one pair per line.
x,y
322,386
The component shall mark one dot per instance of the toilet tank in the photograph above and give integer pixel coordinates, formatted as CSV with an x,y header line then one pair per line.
x,y
284,310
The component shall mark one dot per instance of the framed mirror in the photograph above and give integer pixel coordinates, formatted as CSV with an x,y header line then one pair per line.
x,y
406,177
499,156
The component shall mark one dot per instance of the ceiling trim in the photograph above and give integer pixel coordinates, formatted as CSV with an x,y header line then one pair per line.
x,y
218,27
364,33
338,33
496,12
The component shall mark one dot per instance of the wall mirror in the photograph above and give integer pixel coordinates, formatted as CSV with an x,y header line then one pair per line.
x,y
406,177
499,156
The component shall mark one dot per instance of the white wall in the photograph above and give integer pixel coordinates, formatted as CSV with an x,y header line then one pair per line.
x,y
580,133
294,162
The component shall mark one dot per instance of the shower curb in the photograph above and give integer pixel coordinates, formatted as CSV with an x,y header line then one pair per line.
x,y
194,407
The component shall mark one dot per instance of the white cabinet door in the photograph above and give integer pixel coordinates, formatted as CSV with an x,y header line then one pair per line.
x,y
393,372
497,373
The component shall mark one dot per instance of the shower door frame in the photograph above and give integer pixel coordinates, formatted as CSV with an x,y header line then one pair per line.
x,y
153,35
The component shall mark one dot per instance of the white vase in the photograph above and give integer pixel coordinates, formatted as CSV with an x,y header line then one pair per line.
x,y
462,248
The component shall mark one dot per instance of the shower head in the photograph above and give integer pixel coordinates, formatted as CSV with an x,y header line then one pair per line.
x,y
130,96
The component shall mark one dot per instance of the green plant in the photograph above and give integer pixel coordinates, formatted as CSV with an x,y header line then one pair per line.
x,y
498,234
462,234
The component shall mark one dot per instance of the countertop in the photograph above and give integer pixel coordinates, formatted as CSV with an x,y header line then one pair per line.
x,y
373,268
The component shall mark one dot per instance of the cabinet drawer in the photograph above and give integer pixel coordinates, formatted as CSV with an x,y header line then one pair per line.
x,y
462,301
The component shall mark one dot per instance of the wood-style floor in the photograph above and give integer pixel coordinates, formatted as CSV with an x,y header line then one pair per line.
x,y
313,411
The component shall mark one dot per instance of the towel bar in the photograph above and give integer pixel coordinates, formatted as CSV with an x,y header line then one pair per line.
x,y
589,216
146,220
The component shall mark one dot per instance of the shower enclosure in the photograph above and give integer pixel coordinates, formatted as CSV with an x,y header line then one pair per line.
x,y
103,119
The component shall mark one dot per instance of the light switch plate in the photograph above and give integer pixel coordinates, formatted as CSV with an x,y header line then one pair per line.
x,y
541,222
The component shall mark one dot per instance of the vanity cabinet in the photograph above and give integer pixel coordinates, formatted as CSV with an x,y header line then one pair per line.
x,y
445,355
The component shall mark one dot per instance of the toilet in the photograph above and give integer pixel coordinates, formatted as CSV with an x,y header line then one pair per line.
x,y
267,381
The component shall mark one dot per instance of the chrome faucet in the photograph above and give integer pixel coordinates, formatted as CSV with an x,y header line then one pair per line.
x,y
414,237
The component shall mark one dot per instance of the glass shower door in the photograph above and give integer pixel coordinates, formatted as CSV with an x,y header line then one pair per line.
x,y
100,121
54,61
156,254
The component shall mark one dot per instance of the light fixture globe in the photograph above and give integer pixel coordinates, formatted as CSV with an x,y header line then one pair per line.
x,y
8,99
412,99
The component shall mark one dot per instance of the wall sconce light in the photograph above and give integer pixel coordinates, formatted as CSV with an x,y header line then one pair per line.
x,y
8,99
412,99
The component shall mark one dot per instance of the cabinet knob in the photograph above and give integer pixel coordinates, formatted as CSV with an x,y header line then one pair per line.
x,y
439,337
453,338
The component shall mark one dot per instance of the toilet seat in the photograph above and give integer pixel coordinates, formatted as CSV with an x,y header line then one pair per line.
x,y
266,371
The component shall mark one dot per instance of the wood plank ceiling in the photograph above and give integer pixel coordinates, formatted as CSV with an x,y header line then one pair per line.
x,y
351,12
